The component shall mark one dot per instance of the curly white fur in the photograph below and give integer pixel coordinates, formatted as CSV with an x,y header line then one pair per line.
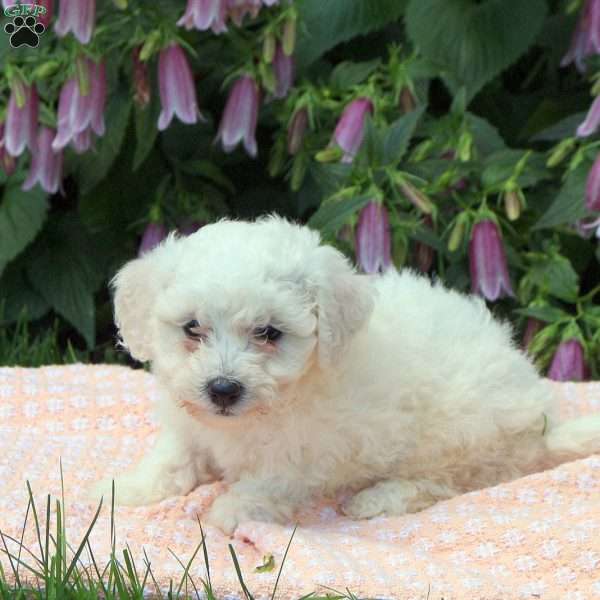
x,y
402,391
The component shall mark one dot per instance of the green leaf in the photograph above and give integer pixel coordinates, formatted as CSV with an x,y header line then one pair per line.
x,y
564,128
18,297
22,215
569,204
555,275
95,164
548,314
330,177
324,24
65,271
371,151
473,41
399,135
499,166
208,170
146,131
485,136
334,213
348,74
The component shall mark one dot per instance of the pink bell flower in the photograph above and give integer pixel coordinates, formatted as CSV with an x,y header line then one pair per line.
x,y
489,271
238,9
284,68
21,119
568,363
153,235
372,243
46,165
7,162
350,129
591,121
177,90
238,122
77,16
592,187
205,14
77,111
586,37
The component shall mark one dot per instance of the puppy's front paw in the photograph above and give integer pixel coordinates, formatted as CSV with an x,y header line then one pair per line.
x,y
148,486
128,492
364,505
231,509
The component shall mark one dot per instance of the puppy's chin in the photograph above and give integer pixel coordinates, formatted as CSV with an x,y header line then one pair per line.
x,y
207,413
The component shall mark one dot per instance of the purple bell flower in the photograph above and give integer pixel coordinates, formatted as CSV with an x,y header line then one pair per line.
x,y
238,122
592,187
205,14
372,243
568,363
21,119
46,165
153,235
177,90
489,271
7,162
77,16
350,129
284,68
78,112
592,120
586,37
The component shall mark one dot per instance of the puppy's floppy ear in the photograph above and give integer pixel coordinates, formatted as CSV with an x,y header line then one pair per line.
x,y
344,302
136,288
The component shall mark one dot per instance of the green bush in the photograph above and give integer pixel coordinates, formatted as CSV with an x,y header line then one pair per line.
x,y
467,116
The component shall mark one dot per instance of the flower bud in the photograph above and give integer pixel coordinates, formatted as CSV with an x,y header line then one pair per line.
x,y
416,197
269,44
288,38
150,45
559,152
407,100
513,204
458,232
297,130
299,167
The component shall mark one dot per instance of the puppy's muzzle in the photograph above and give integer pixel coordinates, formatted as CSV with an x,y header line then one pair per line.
x,y
224,392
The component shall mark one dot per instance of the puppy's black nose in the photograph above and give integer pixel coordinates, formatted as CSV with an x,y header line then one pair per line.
x,y
224,392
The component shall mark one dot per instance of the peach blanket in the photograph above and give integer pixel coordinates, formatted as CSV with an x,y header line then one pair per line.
x,y
537,537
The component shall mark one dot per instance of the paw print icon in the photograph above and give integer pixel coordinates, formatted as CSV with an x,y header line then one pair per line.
x,y
24,32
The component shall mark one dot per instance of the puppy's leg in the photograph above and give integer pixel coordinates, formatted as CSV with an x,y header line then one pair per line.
x,y
256,499
170,469
396,497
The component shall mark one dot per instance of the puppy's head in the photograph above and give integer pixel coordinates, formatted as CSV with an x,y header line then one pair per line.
x,y
233,314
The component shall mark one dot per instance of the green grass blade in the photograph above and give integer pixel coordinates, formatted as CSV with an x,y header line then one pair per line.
x,y
283,562
239,574
83,543
36,521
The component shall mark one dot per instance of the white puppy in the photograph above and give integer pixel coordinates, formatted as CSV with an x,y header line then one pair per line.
x,y
290,376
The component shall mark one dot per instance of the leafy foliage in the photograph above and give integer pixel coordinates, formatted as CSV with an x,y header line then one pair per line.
x,y
472,118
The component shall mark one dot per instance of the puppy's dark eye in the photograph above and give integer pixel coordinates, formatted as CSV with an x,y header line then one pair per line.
x,y
192,330
267,334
